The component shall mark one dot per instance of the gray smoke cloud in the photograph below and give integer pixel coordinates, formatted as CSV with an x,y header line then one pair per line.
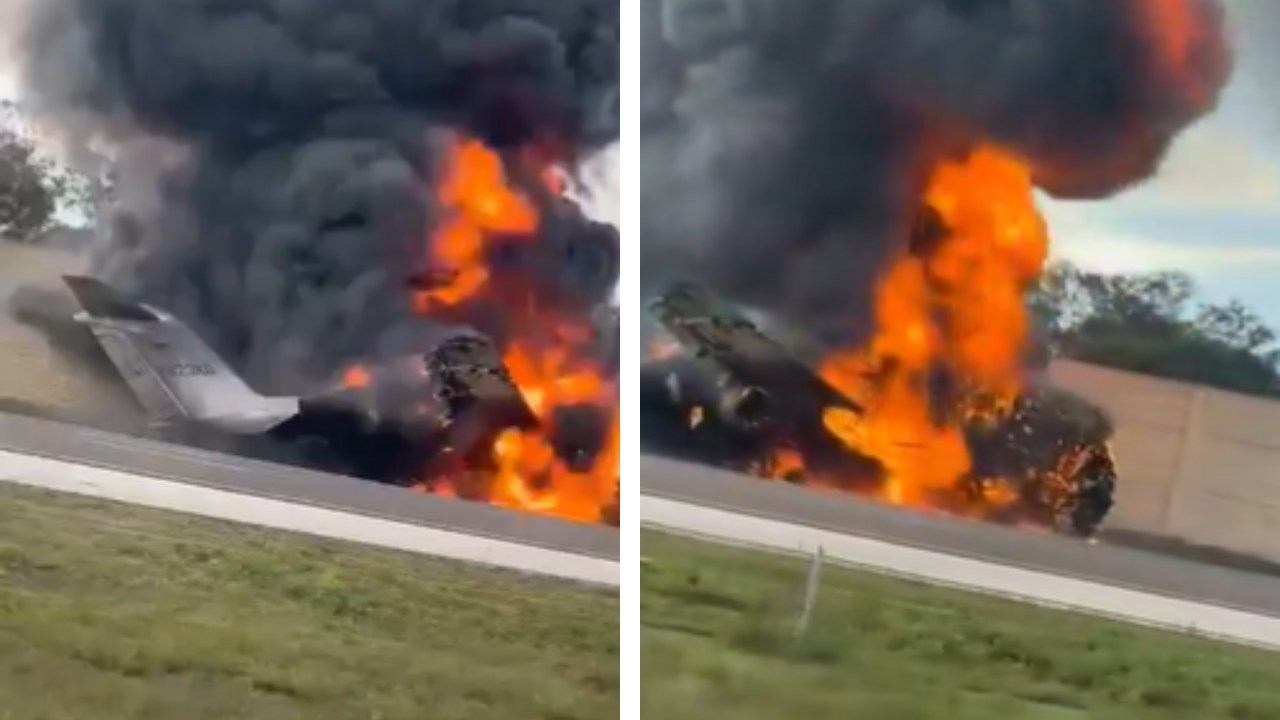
x,y
274,159
785,142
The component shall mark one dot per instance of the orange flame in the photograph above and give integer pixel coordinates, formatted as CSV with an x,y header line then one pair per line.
x,y
549,379
356,377
479,203
531,477
959,307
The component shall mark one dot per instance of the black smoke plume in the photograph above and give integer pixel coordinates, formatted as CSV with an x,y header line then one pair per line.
x,y
274,158
785,142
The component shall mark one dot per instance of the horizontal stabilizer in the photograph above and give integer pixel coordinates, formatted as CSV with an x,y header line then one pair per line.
x,y
102,301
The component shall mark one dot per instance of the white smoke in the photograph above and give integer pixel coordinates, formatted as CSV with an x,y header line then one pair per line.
x,y
597,191
599,195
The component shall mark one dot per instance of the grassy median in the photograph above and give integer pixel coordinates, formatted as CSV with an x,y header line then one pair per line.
x,y
114,611
718,641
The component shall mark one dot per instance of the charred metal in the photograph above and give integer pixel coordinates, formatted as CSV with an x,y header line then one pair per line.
x,y
735,398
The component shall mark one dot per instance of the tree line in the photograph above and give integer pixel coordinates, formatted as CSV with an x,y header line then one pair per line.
x,y
1152,323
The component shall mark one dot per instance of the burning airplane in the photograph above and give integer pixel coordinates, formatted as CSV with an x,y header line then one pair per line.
x,y
466,396
731,395
863,176
364,211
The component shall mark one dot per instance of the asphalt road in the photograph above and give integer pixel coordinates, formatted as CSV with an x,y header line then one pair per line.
x,y
1107,564
250,477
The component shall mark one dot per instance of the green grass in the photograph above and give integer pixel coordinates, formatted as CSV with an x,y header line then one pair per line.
x,y
113,611
718,642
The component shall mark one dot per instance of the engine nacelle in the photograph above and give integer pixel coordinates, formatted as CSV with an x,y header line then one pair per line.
x,y
747,406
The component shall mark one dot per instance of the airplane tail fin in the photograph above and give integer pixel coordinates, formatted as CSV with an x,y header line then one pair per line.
x,y
169,368
103,308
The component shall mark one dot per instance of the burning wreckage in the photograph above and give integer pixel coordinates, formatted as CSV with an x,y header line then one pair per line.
x,y
454,419
869,172
367,211
732,396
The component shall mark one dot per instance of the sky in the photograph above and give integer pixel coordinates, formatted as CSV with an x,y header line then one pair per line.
x,y
1213,210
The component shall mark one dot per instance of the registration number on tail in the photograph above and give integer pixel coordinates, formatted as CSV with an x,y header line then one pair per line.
x,y
182,370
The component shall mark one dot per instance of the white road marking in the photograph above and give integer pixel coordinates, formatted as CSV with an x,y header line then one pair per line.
x,y
181,497
964,573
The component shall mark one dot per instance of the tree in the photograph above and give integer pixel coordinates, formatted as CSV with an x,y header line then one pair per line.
x,y
27,201
35,189
1147,323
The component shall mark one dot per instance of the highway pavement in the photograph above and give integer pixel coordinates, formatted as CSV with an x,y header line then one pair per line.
x,y
1029,550
249,477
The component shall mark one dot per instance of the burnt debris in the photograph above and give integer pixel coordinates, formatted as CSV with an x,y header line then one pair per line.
x,y
1049,450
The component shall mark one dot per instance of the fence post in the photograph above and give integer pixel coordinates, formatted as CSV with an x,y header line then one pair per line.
x,y
810,592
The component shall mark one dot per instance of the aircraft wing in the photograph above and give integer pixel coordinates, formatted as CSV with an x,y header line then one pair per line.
x,y
715,333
